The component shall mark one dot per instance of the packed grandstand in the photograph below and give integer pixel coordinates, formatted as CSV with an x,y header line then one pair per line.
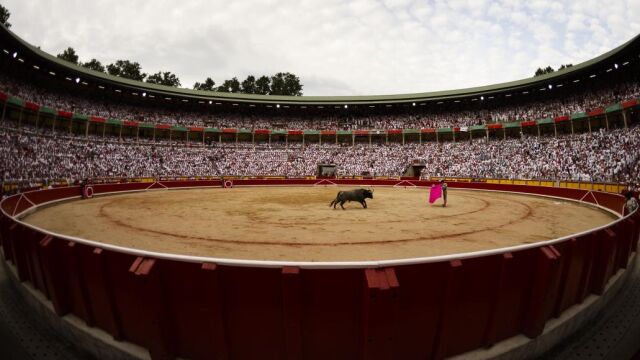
x,y
58,127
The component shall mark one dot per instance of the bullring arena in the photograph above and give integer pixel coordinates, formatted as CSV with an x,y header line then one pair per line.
x,y
146,221
295,223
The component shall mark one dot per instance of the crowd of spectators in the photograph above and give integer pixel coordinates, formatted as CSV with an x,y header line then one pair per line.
x,y
432,116
608,156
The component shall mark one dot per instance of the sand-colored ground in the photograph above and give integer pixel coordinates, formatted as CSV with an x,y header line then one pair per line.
x,y
296,223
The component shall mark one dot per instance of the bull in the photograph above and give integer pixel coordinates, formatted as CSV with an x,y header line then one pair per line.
x,y
358,195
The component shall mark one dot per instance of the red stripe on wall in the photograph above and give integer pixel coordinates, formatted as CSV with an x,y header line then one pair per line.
x,y
97,119
561,119
596,112
630,103
65,114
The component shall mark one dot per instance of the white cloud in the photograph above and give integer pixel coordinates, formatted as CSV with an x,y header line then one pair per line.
x,y
336,47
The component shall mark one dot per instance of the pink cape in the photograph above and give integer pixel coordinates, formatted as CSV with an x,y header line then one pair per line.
x,y
435,193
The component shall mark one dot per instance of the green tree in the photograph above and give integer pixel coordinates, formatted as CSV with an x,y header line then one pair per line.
x,y
249,85
232,86
4,16
94,65
164,78
69,55
562,67
207,85
126,69
263,85
285,84
547,70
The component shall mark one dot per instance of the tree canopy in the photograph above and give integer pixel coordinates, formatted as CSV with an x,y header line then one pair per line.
x,y
207,85
126,69
164,78
249,85
4,16
285,84
263,85
232,86
93,64
282,83
549,69
69,55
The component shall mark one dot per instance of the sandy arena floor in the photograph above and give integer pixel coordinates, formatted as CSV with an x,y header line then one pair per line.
x,y
296,223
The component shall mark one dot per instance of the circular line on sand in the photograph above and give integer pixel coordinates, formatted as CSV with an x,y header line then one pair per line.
x,y
302,243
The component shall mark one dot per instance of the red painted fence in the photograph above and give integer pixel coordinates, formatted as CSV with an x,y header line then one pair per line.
x,y
225,309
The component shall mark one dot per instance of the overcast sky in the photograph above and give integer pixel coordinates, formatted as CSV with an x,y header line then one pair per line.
x,y
336,47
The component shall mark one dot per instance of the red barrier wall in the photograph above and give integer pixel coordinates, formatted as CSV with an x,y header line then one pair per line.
x,y
421,309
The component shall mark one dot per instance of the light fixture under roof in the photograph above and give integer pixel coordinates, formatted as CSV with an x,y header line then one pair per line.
x,y
15,54
278,106
77,80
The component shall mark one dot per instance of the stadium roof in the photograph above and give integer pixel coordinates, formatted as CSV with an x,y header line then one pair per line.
x,y
626,52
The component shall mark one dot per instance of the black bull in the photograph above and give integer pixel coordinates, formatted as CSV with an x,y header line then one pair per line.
x,y
358,195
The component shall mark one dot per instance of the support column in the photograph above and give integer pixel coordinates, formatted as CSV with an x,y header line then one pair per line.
x,y
203,133
104,129
437,140
420,139
571,121
589,123
286,141
120,136
4,110
606,120
70,126
236,137
624,118
403,138
454,135
504,134
386,138
219,138
538,125
269,139
38,119
253,138
336,138
320,137
170,133
20,118
154,133
86,129
555,130
53,125
521,133
353,140
487,132
138,134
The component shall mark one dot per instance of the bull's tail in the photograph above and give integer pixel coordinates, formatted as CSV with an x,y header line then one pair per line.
x,y
336,200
